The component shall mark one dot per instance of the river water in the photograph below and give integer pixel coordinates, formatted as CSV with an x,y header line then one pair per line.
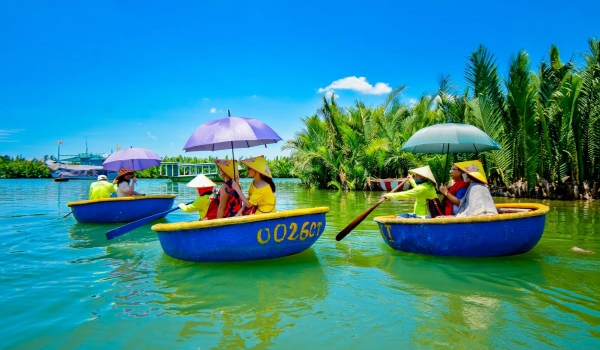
x,y
64,286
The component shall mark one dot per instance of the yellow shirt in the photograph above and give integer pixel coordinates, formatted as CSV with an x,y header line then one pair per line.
x,y
263,198
200,205
102,189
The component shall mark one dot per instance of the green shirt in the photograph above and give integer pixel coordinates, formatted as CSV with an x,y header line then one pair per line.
x,y
421,192
200,205
102,189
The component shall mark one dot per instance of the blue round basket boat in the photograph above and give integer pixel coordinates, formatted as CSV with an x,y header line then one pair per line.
x,y
517,229
253,237
120,209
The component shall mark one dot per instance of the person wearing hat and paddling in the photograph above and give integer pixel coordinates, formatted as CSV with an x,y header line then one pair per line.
x,y
423,188
204,186
125,182
478,199
229,201
102,188
261,194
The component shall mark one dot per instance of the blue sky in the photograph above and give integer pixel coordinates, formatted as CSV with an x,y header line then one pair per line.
x,y
148,73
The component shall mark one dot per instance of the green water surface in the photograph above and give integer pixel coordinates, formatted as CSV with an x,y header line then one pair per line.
x,y
64,286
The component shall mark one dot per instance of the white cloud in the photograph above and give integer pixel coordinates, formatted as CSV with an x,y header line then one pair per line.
x,y
6,135
152,136
357,84
213,110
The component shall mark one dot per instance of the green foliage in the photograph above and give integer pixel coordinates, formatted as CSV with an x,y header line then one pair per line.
x,y
14,168
547,123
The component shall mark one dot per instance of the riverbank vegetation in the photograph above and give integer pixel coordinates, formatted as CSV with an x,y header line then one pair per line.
x,y
18,167
546,120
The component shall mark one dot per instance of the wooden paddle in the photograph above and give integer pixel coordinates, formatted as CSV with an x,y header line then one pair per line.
x,y
121,230
351,226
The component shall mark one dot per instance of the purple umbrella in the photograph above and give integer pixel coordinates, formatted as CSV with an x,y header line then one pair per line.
x,y
133,159
230,133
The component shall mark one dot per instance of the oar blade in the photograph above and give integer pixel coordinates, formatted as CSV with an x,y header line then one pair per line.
x,y
351,226
121,230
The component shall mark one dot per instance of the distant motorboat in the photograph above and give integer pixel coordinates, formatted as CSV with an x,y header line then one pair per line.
x,y
78,171
61,179
388,184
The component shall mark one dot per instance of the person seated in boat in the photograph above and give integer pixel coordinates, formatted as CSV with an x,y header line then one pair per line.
x,y
102,188
456,192
125,182
228,201
423,188
478,199
261,194
204,186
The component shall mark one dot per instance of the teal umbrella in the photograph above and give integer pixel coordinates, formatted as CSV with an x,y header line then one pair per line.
x,y
450,138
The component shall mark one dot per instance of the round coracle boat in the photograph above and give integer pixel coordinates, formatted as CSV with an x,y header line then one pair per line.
x,y
515,230
243,238
120,209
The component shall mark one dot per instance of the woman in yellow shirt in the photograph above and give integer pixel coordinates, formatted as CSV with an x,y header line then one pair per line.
x,y
261,195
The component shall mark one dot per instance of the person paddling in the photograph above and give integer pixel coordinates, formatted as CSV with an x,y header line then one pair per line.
x,y
205,187
102,188
423,188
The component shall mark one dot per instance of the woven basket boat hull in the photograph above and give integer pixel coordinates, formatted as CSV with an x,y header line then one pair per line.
x,y
121,209
504,234
253,237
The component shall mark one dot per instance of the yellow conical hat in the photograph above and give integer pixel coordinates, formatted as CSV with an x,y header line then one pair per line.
x,y
259,164
227,166
425,172
201,181
474,169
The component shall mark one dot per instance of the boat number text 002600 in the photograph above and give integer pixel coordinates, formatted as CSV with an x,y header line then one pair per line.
x,y
280,232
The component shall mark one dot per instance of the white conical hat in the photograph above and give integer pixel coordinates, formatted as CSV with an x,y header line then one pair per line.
x,y
425,172
201,181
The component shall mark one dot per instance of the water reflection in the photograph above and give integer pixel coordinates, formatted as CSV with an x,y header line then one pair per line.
x,y
248,303
87,235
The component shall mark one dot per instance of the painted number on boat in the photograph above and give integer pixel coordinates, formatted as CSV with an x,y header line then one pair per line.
x,y
282,232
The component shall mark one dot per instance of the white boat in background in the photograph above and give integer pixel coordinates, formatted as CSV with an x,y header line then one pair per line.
x,y
82,166
186,172
78,171
388,184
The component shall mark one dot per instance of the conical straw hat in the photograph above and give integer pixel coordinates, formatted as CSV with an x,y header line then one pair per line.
x,y
227,166
259,164
201,181
425,172
474,169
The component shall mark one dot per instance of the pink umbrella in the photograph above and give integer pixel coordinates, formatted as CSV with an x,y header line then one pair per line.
x,y
132,158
